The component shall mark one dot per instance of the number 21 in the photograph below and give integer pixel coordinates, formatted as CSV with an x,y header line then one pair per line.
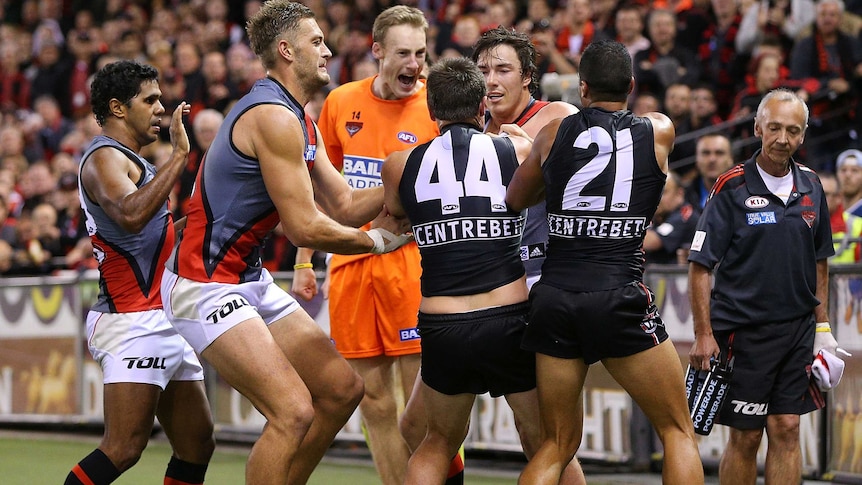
x,y
622,189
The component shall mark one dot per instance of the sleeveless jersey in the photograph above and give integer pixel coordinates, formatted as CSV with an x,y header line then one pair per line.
x,y
359,130
535,240
130,265
602,187
230,212
453,189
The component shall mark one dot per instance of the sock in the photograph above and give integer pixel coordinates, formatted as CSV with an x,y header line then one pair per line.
x,y
181,472
456,471
95,469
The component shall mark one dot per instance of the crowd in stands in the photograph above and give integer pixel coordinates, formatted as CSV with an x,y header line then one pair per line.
x,y
705,63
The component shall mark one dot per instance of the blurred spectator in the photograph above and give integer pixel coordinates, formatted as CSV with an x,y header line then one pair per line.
x,y
764,74
603,17
7,258
847,218
549,58
54,125
83,49
7,225
204,129
10,194
37,184
578,30
187,60
693,18
51,72
704,111
465,32
723,66
130,46
677,106
713,157
782,19
501,13
645,103
14,85
238,57
71,223
630,28
220,91
668,238
355,46
665,62
835,59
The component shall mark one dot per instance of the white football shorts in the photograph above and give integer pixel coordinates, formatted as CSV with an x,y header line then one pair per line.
x,y
201,312
140,347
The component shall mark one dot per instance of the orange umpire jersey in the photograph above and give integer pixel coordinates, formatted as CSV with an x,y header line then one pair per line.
x,y
373,300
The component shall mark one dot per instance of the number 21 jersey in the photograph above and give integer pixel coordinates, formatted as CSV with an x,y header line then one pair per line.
x,y
602,187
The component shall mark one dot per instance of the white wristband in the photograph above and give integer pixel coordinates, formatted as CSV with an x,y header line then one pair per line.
x,y
379,244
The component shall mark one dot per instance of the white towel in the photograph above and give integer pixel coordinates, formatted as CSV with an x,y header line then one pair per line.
x,y
827,370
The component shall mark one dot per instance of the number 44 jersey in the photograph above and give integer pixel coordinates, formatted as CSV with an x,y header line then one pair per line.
x,y
453,190
602,186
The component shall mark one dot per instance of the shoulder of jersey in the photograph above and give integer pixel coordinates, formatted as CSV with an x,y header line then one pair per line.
x,y
732,178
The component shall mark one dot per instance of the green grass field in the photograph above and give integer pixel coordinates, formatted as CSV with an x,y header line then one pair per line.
x,y
36,459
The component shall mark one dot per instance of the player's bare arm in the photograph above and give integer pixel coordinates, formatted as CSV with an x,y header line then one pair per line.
x,y
391,173
699,288
664,133
110,178
821,290
273,135
349,206
527,187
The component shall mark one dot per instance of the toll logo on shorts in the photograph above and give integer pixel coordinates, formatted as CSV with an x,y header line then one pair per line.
x,y
750,408
227,308
407,334
145,362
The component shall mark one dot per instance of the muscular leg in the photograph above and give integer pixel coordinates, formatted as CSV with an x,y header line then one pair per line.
x,y
654,379
379,409
184,413
525,407
448,421
334,387
249,359
559,385
738,464
413,422
129,412
783,452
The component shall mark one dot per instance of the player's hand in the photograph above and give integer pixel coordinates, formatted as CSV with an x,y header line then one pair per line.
x,y
511,129
825,341
304,283
179,137
389,232
704,348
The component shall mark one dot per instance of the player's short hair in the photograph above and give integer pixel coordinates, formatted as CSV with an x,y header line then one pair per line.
x,y
606,67
519,41
119,80
275,20
456,89
397,15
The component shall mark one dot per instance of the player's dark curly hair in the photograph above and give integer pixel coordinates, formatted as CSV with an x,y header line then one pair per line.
x,y
121,80
520,42
456,89
606,67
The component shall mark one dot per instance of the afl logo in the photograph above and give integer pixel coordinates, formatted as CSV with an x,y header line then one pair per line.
x,y
756,202
407,137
